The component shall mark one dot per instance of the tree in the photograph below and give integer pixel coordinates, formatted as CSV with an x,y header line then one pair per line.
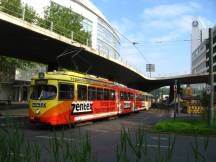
x,y
30,14
8,62
8,66
66,22
12,7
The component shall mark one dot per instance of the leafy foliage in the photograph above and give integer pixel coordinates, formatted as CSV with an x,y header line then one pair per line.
x,y
12,7
30,14
66,22
8,62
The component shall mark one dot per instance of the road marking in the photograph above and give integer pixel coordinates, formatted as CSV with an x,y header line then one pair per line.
x,y
58,138
159,138
98,130
156,146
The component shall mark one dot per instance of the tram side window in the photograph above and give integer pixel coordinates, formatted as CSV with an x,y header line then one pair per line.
x,y
139,98
122,95
106,94
131,96
100,94
144,98
66,91
82,92
126,96
112,95
92,93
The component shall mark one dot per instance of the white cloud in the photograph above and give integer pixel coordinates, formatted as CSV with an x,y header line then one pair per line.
x,y
182,23
172,20
170,11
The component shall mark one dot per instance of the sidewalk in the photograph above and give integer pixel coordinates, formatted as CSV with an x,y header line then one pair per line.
x,y
16,109
184,115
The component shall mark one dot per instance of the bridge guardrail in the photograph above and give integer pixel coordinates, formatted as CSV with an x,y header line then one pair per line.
x,y
26,15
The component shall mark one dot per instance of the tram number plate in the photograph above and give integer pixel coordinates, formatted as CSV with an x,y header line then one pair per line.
x,y
39,104
41,82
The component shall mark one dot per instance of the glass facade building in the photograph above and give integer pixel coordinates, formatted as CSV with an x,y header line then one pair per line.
x,y
105,38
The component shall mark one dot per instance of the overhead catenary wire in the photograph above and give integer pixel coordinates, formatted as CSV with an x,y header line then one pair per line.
x,y
134,44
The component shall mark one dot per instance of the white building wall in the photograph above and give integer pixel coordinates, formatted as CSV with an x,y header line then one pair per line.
x,y
26,75
198,36
198,52
199,33
6,91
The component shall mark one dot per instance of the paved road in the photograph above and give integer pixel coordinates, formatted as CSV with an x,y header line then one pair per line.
x,y
105,136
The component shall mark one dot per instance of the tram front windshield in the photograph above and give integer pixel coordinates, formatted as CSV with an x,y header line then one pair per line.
x,y
43,92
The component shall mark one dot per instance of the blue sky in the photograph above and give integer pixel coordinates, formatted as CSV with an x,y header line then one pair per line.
x,y
149,22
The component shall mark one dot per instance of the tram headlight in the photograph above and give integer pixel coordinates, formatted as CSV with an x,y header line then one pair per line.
x,y
37,112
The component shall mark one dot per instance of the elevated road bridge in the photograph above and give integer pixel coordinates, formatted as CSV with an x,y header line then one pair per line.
x,y
24,40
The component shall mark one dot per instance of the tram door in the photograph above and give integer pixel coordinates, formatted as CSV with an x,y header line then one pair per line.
x,y
119,107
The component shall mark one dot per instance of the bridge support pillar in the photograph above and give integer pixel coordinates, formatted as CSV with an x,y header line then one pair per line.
x,y
171,93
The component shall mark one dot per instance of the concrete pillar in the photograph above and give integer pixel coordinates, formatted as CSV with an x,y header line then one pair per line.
x,y
171,93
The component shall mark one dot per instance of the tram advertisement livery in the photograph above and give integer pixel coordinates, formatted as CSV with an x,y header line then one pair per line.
x,y
82,107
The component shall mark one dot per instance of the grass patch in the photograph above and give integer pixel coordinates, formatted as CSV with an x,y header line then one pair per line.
x,y
186,126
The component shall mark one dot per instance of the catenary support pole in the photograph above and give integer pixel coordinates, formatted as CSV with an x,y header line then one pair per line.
x,y
211,80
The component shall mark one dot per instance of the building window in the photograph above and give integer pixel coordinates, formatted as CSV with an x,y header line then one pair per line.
x,y
87,25
107,41
214,49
